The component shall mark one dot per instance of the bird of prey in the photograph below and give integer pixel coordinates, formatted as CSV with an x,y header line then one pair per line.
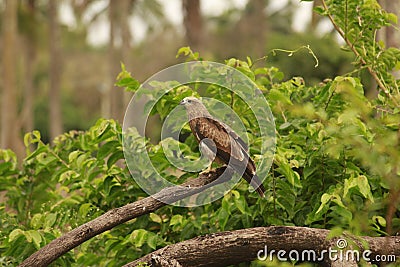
x,y
220,143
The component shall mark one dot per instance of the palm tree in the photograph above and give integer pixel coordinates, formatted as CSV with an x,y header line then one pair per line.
x,y
119,14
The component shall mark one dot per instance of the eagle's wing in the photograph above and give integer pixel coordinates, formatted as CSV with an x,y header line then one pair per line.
x,y
235,136
226,140
230,148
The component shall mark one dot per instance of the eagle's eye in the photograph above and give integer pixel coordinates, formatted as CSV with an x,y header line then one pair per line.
x,y
189,101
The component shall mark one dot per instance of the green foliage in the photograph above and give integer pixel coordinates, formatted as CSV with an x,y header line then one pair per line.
x,y
62,186
336,164
358,23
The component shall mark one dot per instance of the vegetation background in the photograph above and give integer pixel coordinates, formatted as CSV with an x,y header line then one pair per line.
x,y
55,89
337,161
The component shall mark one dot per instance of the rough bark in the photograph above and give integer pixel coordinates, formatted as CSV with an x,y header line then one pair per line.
x,y
120,215
219,249
233,247
55,121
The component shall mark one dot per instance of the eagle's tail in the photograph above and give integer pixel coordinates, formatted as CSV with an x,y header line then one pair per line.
x,y
255,182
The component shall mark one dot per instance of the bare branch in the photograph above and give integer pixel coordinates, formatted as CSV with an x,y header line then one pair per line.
x,y
120,215
233,247
219,249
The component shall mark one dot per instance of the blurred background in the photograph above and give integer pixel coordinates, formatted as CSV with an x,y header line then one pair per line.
x,y
60,59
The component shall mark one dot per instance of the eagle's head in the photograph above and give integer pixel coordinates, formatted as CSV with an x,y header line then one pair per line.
x,y
194,107
191,101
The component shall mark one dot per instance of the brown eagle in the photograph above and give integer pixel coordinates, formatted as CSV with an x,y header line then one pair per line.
x,y
217,140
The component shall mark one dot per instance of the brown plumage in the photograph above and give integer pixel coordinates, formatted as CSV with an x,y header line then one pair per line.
x,y
227,147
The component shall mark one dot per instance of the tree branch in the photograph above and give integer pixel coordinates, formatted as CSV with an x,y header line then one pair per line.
x,y
117,216
220,249
234,247
372,71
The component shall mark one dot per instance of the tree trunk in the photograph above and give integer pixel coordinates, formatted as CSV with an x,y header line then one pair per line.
x,y
391,33
10,130
109,96
315,18
126,50
253,29
30,62
193,23
55,121
119,46
79,8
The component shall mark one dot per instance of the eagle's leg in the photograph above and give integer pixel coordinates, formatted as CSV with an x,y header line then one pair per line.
x,y
207,170
209,150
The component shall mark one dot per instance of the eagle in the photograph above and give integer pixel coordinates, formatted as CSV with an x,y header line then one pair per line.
x,y
220,143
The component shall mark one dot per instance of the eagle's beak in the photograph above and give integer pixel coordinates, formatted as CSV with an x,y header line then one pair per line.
x,y
183,102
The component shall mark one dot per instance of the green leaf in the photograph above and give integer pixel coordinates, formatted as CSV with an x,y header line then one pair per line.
x,y
138,237
50,220
223,217
325,199
5,166
33,236
36,221
15,234
108,148
84,209
184,51
343,214
226,203
32,138
41,148
152,240
45,158
392,18
74,155
131,84
114,158
68,176
155,218
380,220
241,204
292,176
359,183
276,95
176,219
285,125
